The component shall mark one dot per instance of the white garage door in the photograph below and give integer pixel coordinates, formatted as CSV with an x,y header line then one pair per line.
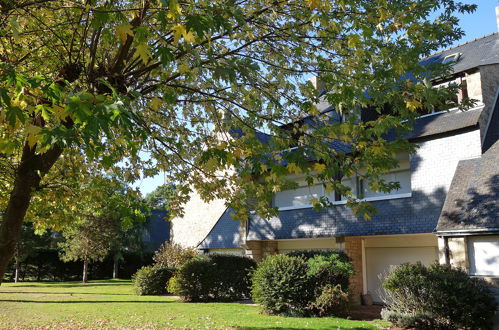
x,y
380,261
484,255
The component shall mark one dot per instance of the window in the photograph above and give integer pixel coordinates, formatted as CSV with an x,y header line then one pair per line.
x,y
299,197
451,58
361,189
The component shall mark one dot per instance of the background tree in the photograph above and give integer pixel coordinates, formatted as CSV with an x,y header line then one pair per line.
x,y
106,217
27,246
88,241
160,197
111,78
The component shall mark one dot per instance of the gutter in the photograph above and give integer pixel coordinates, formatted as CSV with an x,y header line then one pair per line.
x,y
467,232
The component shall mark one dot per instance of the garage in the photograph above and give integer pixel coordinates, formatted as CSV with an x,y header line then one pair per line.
x,y
383,254
483,254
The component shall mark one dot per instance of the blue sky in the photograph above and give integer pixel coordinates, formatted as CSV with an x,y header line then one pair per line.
x,y
476,25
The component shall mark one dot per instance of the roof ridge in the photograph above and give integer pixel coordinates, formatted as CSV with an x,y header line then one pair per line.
x,y
464,43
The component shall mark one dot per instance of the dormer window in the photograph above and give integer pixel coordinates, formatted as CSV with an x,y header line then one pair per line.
x,y
452,58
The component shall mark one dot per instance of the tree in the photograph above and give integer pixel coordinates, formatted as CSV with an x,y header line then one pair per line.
x,y
160,197
27,246
88,241
107,212
177,78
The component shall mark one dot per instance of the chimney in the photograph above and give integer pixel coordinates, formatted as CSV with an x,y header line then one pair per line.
x,y
497,17
318,84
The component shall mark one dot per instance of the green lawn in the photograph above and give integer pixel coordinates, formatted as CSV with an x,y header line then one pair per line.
x,y
112,304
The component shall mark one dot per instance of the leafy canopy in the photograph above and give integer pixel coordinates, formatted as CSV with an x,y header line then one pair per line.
x,y
179,78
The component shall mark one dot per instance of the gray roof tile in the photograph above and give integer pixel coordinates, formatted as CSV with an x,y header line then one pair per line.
x,y
224,235
473,199
481,51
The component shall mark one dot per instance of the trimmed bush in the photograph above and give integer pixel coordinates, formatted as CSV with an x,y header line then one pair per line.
x,y
332,300
438,296
173,255
303,283
282,285
213,277
150,280
334,268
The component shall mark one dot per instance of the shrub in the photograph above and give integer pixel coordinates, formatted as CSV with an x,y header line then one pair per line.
x,y
281,284
150,280
303,283
417,321
213,278
332,300
334,268
439,296
173,255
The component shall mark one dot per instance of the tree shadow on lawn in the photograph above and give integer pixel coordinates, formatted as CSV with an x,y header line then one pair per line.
x,y
297,328
72,285
66,293
85,301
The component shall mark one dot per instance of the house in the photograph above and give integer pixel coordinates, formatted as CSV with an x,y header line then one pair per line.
x,y
446,208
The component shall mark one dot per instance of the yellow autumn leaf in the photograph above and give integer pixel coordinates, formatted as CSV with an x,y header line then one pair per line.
x,y
319,168
180,31
32,136
189,37
413,105
59,112
123,31
142,51
293,168
174,9
313,4
238,153
184,68
264,167
353,41
155,103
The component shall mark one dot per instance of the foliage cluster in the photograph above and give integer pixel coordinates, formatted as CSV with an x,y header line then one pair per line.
x,y
173,255
213,277
151,280
438,296
309,283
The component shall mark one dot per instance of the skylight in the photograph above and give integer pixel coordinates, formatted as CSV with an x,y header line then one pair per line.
x,y
452,58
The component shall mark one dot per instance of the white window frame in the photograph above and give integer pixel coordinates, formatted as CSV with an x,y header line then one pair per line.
x,y
354,190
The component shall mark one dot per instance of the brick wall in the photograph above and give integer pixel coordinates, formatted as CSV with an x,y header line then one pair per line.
x,y
353,248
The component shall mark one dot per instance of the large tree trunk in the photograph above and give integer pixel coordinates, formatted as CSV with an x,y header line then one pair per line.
x,y
115,266
85,271
27,178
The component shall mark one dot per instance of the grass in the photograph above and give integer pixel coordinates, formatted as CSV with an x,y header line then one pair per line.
x,y
112,304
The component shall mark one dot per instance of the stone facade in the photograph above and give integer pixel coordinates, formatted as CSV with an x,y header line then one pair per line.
x,y
198,220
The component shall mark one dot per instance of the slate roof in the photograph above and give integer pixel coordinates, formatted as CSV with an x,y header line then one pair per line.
x,y
223,235
157,230
481,51
444,122
411,215
473,199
